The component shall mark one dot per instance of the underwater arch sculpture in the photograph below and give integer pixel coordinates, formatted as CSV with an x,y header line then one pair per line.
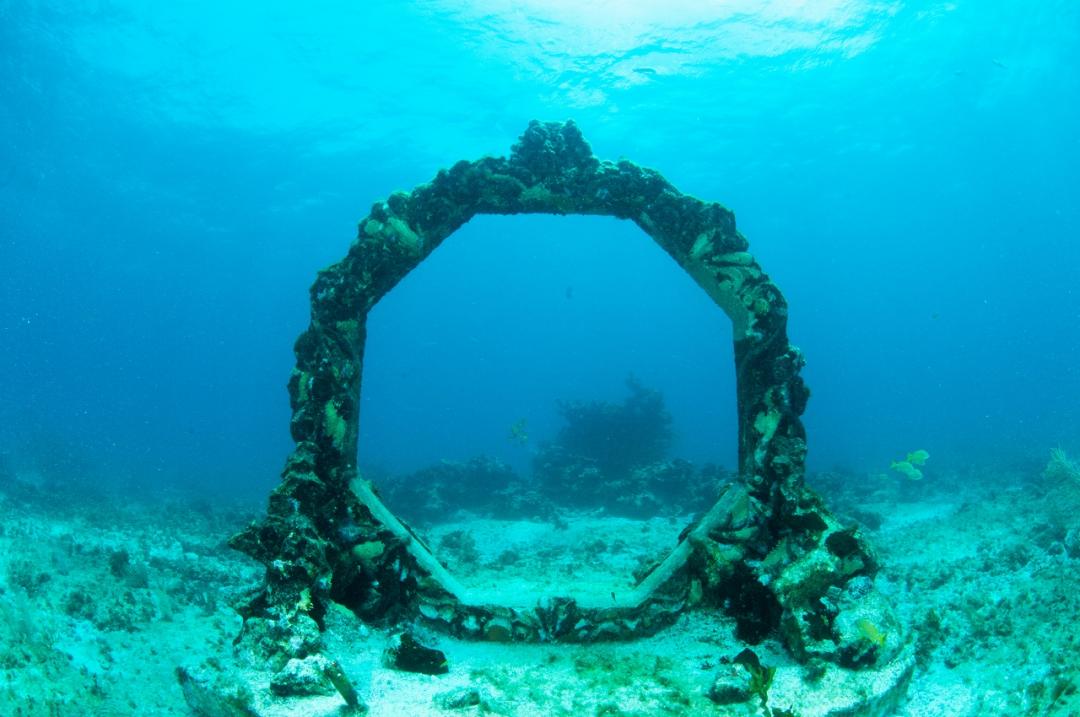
x,y
768,550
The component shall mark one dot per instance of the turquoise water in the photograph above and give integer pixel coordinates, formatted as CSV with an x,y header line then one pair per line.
x,y
175,174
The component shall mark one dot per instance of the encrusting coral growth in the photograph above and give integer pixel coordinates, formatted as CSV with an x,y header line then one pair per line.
x,y
1061,468
768,549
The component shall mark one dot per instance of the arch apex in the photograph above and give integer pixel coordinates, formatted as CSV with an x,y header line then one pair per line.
x,y
549,150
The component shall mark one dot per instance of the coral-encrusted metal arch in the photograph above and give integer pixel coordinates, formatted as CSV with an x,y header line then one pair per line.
x,y
328,537
552,171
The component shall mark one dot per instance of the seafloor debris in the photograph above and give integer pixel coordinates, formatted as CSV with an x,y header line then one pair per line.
x,y
211,691
305,676
408,655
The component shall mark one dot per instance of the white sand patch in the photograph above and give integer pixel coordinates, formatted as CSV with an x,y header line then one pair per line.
x,y
588,558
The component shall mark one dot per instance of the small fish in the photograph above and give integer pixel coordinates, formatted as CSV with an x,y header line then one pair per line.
x,y
999,63
918,458
519,431
647,71
871,632
906,469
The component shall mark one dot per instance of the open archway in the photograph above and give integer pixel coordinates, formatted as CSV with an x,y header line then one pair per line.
x,y
768,550
547,400
474,352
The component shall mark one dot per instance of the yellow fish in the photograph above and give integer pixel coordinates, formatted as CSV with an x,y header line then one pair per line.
x,y
518,431
908,470
917,458
870,631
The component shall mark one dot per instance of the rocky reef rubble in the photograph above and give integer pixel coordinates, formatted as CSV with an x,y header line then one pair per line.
x,y
980,561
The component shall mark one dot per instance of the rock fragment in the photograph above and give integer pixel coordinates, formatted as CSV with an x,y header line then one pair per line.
x,y
408,655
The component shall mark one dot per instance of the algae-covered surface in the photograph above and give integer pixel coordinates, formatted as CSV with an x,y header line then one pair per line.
x,y
103,597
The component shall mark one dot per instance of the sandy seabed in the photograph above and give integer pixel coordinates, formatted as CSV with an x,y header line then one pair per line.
x,y
103,596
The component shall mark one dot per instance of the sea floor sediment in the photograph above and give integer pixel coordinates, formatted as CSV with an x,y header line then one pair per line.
x,y
103,597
